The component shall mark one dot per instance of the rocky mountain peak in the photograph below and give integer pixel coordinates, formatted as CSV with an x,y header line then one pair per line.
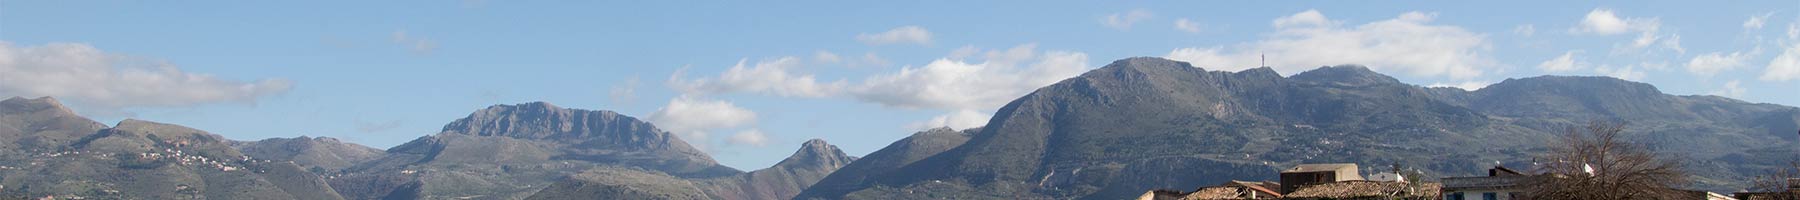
x,y
42,124
540,120
938,130
22,104
1144,65
1347,75
815,153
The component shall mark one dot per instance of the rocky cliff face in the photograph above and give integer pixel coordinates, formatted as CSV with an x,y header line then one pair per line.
x,y
512,151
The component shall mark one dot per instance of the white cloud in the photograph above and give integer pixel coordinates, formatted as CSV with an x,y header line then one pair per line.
x,y
903,34
826,57
104,84
768,76
1630,73
1731,89
692,117
954,83
959,119
1602,21
1304,18
1715,62
1525,30
1566,62
1466,85
1757,21
946,83
1673,43
418,45
1186,25
1407,43
750,137
1784,67
1123,21
1644,40
957,84
866,60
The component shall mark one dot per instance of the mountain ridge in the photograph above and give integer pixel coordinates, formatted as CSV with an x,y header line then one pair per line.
x,y
1146,119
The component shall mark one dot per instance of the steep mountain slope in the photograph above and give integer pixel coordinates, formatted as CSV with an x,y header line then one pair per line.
x,y
136,160
321,154
40,124
1146,123
812,161
900,153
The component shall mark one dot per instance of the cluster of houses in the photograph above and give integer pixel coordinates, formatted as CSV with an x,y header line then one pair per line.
x,y
184,159
1344,181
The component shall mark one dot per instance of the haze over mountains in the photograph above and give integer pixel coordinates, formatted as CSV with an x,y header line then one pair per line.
x,y
1111,133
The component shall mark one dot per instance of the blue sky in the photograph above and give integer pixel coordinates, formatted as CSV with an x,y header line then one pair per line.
x,y
749,81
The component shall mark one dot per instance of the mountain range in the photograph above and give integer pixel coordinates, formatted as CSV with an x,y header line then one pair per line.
x,y
1114,132
1145,123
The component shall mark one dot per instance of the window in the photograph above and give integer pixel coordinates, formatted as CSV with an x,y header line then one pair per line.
x,y
1489,196
1454,196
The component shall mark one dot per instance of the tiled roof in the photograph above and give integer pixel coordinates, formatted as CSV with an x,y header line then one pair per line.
x,y
1358,189
1212,193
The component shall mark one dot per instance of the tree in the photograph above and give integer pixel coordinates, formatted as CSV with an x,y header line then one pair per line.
x,y
1775,185
1596,163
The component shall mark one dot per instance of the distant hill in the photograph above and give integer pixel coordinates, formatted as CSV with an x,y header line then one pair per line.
x,y
900,153
320,154
50,151
1147,123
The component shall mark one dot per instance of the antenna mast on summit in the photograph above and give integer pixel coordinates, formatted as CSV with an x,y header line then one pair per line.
x,y
1265,59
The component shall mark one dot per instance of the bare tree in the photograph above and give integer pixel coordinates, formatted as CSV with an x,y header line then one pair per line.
x,y
1596,163
1777,184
